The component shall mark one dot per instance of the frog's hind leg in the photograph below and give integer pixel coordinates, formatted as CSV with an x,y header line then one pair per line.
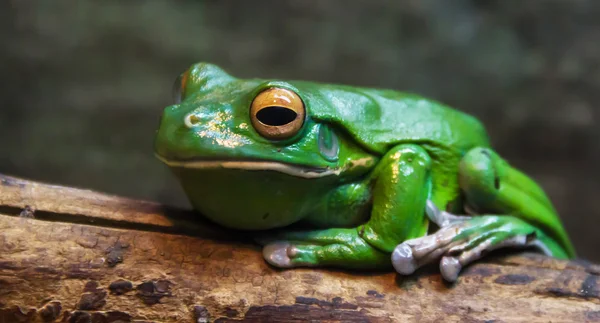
x,y
521,216
491,185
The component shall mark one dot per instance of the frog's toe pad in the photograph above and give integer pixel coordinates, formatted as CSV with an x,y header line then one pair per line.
x,y
403,260
450,267
279,254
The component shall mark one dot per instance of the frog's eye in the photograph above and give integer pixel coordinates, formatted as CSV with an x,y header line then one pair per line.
x,y
277,113
179,88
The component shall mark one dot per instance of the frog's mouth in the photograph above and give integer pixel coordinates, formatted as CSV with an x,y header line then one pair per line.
x,y
254,165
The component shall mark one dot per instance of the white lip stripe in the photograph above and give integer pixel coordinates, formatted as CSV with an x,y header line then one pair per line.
x,y
253,165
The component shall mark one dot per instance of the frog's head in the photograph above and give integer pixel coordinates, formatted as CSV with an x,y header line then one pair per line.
x,y
247,152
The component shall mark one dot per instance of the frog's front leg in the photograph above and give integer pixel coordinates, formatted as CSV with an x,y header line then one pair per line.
x,y
522,216
401,185
462,240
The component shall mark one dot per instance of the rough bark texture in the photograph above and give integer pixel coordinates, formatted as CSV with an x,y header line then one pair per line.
x,y
70,255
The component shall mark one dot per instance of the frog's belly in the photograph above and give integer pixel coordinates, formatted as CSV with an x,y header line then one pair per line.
x,y
253,199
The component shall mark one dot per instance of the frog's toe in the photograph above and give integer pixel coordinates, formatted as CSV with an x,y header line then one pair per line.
x,y
403,259
285,254
442,218
279,254
450,267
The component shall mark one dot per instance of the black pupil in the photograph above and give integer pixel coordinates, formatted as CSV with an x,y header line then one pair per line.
x,y
276,116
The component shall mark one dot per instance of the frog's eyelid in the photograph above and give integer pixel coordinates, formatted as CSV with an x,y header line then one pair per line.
x,y
191,120
329,148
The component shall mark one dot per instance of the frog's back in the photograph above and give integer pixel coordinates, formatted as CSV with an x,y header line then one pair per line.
x,y
381,119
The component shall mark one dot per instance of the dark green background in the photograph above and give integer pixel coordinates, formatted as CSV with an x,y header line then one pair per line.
x,y
84,82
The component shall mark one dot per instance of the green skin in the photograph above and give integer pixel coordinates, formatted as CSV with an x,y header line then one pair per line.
x,y
369,171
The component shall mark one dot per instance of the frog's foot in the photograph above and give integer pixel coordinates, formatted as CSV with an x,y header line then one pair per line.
x,y
332,247
461,240
284,254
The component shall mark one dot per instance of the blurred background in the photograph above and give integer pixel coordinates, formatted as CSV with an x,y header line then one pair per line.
x,y
84,82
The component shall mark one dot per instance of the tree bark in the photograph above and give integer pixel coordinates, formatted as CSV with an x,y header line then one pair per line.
x,y
71,255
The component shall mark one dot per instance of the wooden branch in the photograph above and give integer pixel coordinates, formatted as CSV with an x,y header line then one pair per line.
x,y
70,255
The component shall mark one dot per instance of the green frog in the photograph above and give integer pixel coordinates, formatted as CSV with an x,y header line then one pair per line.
x,y
350,177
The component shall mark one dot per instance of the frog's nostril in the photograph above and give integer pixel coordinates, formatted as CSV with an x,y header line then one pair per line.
x,y
276,116
191,120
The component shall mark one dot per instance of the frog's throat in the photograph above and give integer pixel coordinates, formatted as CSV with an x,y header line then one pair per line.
x,y
293,170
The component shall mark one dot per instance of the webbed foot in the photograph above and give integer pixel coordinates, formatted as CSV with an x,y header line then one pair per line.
x,y
460,241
